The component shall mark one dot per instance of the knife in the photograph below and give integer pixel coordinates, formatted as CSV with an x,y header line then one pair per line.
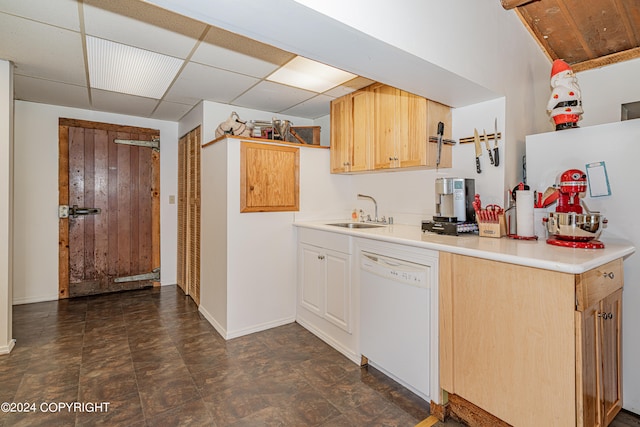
x,y
440,135
496,156
476,139
486,143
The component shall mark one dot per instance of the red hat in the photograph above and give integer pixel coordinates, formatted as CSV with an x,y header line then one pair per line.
x,y
559,66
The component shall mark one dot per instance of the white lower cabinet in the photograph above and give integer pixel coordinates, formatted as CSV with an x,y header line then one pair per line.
x,y
325,291
326,284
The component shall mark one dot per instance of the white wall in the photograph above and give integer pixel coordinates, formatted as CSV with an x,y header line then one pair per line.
x,y
475,39
605,89
36,195
6,204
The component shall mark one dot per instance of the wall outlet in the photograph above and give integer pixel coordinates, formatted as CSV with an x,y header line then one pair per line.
x,y
172,199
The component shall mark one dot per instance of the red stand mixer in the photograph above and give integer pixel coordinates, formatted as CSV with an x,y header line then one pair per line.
x,y
569,226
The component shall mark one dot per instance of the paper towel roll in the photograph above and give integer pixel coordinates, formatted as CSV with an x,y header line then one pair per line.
x,y
524,213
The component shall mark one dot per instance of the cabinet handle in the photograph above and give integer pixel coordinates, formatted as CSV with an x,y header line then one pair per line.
x,y
609,275
390,159
606,316
320,256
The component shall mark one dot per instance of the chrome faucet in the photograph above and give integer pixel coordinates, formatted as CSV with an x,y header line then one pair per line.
x,y
375,204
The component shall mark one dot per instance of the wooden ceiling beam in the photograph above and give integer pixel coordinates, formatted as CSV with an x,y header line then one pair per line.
x,y
511,4
614,58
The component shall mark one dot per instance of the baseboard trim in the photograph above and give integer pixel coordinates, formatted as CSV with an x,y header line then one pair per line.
x,y
259,328
6,349
227,335
349,354
31,300
217,326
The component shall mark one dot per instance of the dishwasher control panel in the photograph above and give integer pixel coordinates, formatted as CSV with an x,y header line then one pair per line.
x,y
397,270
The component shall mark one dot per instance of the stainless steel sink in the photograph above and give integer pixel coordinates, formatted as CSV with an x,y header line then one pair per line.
x,y
356,225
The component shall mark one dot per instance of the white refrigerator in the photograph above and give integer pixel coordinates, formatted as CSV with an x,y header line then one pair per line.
x,y
618,146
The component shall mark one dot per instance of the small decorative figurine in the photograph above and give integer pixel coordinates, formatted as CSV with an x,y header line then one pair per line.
x,y
565,103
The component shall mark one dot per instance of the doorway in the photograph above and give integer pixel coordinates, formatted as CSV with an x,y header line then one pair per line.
x,y
109,197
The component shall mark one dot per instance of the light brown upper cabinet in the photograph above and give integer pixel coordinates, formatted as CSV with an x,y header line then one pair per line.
x,y
381,127
351,121
269,178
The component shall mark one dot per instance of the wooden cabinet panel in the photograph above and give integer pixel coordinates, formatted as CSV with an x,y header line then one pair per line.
x,y
508,325
588,385
385,106
269,177
599,282
362,119
381,127
341,111
611,318
411,145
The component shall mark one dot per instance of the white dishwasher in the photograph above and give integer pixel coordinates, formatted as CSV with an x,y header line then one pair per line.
x,y
395,319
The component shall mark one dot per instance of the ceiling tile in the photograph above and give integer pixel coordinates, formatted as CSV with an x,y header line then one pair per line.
x,y
348,87
269,96
120,103
142,25
40,50
222,49
50,92
197,82
59,13
313,108
171,111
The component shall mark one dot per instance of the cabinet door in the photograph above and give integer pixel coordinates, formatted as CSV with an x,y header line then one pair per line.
x,y
412,130
385,108
611,320
340,134
362,119
338,289
589,358
269,178
312,278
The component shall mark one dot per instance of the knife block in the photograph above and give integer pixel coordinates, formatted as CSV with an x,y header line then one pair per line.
x,y
492,229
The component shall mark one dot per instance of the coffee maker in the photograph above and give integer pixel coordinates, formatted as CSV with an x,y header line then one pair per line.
x,y
454,207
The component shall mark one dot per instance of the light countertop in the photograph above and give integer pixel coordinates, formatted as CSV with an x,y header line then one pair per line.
x,y
536,254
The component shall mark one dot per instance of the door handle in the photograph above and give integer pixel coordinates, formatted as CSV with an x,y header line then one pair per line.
x,y
74,211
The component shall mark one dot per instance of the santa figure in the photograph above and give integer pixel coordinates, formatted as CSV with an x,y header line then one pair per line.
x,y
565,103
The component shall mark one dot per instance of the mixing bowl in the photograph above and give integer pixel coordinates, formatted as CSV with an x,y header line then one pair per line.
x,y
574,226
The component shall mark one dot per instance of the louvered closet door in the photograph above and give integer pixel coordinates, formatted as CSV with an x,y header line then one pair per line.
x,y
189,214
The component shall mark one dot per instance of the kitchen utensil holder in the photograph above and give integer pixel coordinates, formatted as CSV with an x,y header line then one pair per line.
x,y
492,229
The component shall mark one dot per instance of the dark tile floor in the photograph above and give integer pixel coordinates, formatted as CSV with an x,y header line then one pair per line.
x,y
158,362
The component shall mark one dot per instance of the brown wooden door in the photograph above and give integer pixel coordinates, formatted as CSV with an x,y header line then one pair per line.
x,y
104,252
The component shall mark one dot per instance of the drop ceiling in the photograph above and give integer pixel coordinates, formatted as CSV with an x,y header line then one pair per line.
x,y
46,40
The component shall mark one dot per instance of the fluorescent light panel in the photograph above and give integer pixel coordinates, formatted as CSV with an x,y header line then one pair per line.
x,y
120,68
310,75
